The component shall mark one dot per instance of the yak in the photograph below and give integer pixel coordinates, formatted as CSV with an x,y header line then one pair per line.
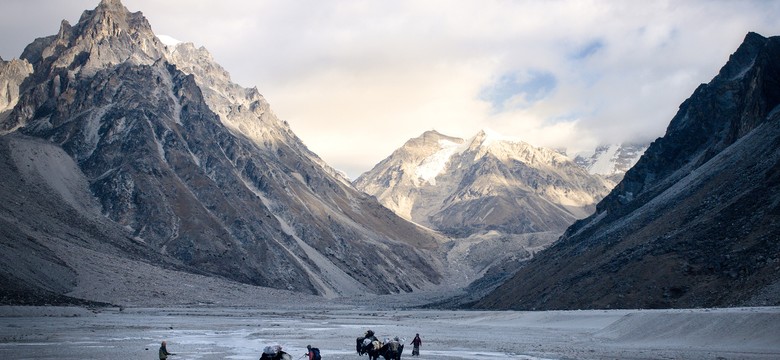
x,y
392,350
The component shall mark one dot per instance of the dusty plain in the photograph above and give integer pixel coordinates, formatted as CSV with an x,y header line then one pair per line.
x,y
241,333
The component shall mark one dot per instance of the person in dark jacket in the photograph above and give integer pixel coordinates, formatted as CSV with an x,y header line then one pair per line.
x,y
416,342
164,351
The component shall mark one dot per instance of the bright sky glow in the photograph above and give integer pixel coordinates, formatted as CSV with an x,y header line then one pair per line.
x,y
356,79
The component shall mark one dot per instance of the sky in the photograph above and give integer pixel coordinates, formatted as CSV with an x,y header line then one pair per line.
x,y
356,79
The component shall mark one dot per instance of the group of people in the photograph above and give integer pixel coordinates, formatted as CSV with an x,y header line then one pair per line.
x,y
275,352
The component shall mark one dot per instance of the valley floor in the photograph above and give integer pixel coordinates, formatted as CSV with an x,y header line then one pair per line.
x,y
233,333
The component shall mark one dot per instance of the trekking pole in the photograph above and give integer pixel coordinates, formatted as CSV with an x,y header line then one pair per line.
x,y
303,356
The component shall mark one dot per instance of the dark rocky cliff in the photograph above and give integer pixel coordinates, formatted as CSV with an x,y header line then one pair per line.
x,y
695,223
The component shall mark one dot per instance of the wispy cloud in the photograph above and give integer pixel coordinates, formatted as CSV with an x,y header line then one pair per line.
x,y
517,91
589,49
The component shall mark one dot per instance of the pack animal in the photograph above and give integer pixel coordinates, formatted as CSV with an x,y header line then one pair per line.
x,y
370,347
278,356
274,352
392,350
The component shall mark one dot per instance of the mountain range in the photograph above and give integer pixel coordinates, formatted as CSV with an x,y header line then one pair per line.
x,y
486,183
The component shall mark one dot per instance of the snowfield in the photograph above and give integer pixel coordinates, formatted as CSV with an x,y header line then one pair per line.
x,y
233,333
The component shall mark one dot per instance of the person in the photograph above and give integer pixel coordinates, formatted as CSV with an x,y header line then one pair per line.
x,y
313,353
416,342
164,351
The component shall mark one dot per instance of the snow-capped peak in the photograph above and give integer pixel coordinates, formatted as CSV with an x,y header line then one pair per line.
x,y
435,164
489,182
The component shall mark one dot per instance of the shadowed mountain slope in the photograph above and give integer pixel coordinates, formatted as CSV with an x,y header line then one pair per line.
x,y
696,223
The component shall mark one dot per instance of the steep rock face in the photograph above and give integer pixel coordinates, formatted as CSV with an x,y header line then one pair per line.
x,y
611,161
201,170
12,73
694,223
464,187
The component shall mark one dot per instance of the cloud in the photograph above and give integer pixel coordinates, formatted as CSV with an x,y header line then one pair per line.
x,y
356,79
589,49
518,91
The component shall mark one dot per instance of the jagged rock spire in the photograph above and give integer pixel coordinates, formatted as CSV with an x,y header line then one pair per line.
x,y
111,18
105,36
111,4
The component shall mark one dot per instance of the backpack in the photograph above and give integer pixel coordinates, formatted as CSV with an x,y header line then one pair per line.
x,y
316,353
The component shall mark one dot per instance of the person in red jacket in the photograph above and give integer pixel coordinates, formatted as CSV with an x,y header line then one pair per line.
x,y
312,353
416,342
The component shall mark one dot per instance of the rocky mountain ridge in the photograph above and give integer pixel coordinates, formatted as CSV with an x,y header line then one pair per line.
x,y
694,223
463,187
198,169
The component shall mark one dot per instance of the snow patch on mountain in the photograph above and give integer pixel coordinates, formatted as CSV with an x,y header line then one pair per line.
x,y
611,161
435,164
488,137
168,40
605,163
